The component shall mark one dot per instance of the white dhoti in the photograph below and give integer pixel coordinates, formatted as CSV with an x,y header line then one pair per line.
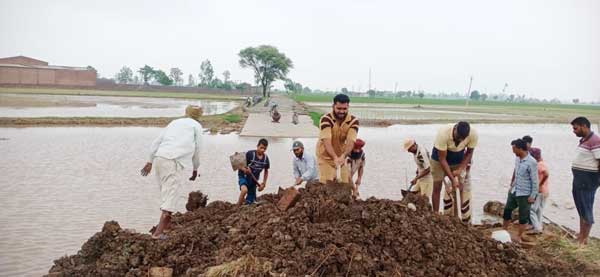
x,y
170,180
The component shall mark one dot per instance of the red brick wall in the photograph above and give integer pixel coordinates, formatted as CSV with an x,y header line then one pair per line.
x,y
9,75
46,76
22,61
38,76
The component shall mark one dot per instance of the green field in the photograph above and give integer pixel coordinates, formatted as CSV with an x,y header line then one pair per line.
x,y
92,92
537,112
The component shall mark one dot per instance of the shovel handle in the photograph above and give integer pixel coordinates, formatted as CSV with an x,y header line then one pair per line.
x,y
338,173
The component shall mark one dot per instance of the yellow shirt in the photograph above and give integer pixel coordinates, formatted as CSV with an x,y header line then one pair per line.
x,y
445,142
341,133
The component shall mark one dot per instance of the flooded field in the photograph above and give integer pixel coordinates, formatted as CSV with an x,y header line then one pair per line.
x,y
60,185
13,105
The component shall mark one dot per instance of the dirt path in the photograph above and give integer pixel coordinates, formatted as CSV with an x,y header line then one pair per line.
x,y
260,124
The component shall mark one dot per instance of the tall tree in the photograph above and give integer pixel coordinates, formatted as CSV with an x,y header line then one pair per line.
x,y
175,75
268,64
207,73
147,73
162,78
226,76
125,75
191,81
475,95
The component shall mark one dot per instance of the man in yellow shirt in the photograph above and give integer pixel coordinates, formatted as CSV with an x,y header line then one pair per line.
x,y
449,158
338,133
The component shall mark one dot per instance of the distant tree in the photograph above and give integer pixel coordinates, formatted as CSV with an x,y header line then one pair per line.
x,y
162,78
226,76
147,73
484,97
511,98
421,95
136,80
344,90
207,74
268,64
475,95
125,75
175,75
306,90
89,67
576,101
242,86
191,81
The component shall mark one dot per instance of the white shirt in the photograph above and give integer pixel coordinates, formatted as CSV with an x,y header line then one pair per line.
x,y
179,141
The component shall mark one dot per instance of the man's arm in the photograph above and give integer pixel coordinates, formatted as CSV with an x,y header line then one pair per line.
x,y
310,168
465,162
196,156
535,182
265,177
423,174
153,149
445,166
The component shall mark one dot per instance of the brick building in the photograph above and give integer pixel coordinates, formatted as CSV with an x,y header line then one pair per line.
x,y
22,70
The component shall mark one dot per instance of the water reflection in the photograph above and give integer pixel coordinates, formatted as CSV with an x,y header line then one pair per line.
x,y
60,185
103,106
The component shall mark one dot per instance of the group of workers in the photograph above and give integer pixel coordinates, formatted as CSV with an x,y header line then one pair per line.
x,y
340,156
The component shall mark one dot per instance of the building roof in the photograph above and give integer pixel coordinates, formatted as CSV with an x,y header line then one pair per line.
x,y
7,62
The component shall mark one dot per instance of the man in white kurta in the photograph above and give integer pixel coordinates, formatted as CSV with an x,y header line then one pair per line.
x,y
176,148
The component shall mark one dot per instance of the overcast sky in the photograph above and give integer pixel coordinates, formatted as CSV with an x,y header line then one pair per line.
x,y
545,48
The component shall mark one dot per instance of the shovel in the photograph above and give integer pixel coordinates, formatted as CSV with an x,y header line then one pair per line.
x,y
338,173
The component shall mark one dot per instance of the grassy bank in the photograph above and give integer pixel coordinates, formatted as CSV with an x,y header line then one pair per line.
x,y
93,92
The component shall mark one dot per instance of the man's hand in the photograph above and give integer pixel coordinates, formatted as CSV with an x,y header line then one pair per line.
x,y
262,186
531,200
146,170
339,161
413,181
194,175
448,188
455,183
358,182
298,181
457,172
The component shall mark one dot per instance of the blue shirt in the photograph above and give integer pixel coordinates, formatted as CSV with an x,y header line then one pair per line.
x,y
526,177
255,164
306,167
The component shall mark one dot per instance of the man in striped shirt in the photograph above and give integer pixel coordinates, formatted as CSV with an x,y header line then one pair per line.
x,y
338,133
586,175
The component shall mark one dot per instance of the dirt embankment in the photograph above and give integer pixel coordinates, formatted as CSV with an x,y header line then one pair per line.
x,y
325,234
214,123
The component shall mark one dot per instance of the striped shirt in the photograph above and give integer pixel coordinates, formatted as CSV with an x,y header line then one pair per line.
x,y
527,181
588,154
341,132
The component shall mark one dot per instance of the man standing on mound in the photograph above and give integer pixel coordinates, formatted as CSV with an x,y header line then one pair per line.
x,y
171,153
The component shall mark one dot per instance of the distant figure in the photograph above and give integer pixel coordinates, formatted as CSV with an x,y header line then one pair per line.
x,y
357,162
256,161
423,181
305,165
295,118
339,130
524,186
537,209
171,153
275,115
586,175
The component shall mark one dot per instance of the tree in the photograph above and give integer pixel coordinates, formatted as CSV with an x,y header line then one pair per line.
x,y
147,73
206,74
268,64
344,90
576,101
162,78
125,75
136,80
191,81
226,76
175,75
484,97
421,95
475,95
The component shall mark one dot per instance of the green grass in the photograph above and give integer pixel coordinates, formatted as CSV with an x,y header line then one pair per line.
x,y
569,251
93,92
433,101
232,118
316,117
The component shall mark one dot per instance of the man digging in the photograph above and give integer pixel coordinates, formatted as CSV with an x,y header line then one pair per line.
x,y
423,181
304,164
338,133
171,153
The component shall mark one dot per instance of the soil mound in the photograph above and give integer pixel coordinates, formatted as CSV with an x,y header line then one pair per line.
x,y
326,234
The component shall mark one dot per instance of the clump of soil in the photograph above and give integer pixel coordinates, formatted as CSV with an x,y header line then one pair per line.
x,y
196,199
325,233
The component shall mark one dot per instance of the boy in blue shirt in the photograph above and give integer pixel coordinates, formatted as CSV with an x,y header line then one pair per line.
x,y
256,161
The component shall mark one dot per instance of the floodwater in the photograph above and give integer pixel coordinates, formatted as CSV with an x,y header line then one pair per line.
x,y
12,105
59,185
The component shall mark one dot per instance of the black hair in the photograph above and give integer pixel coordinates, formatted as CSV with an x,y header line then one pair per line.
x,y
341,98
263,141
581,121
462,129
520,144
528,139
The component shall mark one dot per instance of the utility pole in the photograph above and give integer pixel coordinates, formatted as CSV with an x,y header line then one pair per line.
x,y
469,91
369,79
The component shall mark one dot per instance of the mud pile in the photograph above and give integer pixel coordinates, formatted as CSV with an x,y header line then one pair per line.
x,y
326,233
